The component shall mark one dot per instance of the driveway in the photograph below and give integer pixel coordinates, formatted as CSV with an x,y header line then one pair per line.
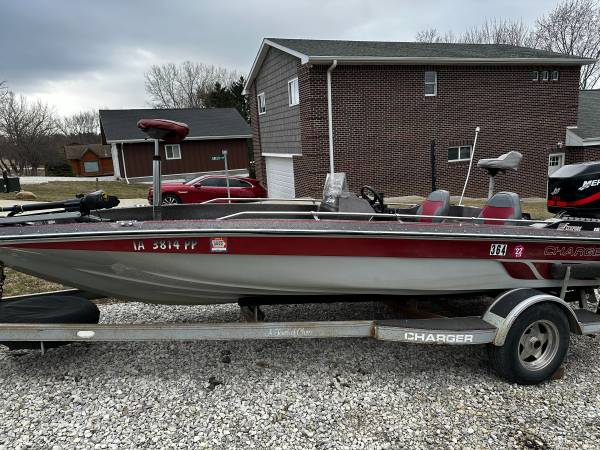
x,y
287,394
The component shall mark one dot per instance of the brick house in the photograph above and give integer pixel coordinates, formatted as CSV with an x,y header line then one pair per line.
x,y
583,140
89,160
390,100
211,131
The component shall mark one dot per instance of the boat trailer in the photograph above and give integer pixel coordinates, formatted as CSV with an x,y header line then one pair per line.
x,y
498,327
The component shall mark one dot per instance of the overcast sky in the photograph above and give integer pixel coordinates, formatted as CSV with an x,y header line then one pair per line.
x,y
84,54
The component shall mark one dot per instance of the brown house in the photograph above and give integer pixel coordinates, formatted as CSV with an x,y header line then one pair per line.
x,y
90,160
390,100
211,131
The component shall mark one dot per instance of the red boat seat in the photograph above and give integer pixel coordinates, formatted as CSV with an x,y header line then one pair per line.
x,y
503,205
436,204
166,130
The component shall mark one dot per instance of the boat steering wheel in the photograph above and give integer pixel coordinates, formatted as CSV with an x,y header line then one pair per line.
x,y
374,198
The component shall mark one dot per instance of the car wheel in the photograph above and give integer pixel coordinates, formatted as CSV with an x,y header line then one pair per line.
x,y
535,345
170,199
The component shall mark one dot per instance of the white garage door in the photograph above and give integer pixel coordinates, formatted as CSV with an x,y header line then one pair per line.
x,y
280,177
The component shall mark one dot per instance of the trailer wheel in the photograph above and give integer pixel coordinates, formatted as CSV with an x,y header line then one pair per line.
x,y
535,345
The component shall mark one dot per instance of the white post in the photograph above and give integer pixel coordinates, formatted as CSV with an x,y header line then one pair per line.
x,y
470,164
224,152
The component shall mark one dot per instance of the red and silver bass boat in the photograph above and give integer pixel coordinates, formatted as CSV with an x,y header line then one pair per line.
x,y
343,245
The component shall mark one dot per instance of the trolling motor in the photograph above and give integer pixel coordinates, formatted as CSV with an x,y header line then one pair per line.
x,y
170,132
83,204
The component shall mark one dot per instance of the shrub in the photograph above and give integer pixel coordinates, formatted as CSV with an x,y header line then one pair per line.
x,y
59,169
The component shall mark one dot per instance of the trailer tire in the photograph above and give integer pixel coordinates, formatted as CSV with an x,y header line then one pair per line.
x,y
535,345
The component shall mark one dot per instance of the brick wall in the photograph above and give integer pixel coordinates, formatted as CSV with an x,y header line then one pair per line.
x,y
383,126
582,154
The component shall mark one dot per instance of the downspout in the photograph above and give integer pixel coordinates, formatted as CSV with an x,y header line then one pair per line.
x,y
124,168
330,117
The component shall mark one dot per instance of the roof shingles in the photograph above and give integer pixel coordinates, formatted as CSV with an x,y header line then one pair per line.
x,y
377,49
76,151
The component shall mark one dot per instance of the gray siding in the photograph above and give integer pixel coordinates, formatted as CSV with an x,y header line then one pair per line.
x,y
280,125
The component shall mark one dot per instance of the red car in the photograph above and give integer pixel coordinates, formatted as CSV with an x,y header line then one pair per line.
x,y
208,187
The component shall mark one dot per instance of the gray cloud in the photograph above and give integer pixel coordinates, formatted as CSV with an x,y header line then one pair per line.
x,y
88,54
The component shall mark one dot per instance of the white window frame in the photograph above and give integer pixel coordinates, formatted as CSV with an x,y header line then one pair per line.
x,y
90,162
429,83
545,75
261,103
561,157
293,92
459,158
555,75
535,75
173,155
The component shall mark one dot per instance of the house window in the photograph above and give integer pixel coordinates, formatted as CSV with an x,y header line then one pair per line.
x,y
91,166
462,153
545,75
262,103
555,75
173,151
555,162
430,83
293,92
535,76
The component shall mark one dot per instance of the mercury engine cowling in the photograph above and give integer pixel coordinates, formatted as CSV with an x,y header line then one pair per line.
x,y
575,190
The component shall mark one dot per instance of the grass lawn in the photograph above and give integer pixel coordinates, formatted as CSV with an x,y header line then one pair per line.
x,y
61,190
18,283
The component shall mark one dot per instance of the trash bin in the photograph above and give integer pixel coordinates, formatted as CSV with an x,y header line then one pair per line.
x,y
13,184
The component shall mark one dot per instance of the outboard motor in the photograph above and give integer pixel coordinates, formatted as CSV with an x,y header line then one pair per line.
x,y
575,190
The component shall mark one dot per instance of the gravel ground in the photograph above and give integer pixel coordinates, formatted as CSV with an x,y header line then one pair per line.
x,y
286,394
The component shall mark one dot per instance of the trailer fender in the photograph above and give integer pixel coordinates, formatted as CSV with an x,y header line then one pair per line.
x,y
510,304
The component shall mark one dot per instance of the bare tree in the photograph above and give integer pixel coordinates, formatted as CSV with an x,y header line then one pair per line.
x,y
492,31
184,85
82,127
499,31
573,28
26,128
433,35
3,92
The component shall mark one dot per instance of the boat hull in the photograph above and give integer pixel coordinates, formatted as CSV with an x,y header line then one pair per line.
x,y
221,267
